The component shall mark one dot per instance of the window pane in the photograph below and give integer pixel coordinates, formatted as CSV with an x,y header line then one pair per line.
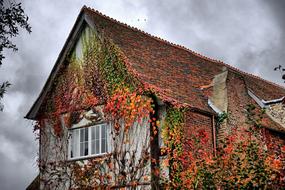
x,y
93,140
71,142
93,147
108,138
82,149
97,132
86,134
74,143
97,145
81,135
103,145
86,149
83,141
103,131
93,133
106,146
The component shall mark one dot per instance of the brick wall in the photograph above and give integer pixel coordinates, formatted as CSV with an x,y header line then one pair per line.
x,y
199,123
238,99
273,140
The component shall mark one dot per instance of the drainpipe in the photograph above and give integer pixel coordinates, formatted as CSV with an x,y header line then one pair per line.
x,y
214,135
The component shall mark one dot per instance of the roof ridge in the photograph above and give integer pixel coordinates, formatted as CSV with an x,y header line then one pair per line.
x,y
180,47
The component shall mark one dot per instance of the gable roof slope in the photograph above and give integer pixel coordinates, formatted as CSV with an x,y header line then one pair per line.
x,y
173,71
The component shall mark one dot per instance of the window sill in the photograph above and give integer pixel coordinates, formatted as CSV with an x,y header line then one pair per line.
x,y
98,156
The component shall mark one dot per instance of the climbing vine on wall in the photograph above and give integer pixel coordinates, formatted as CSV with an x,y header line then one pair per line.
x,y
129,106
99,77
102,77
243,159
172,135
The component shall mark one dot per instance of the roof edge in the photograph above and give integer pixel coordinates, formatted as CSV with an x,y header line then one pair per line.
x,y
32,113
263,103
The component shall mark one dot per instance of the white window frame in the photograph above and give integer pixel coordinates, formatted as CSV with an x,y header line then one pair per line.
x,y
89,155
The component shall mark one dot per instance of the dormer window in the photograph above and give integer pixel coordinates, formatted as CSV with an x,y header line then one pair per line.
x,y
89,141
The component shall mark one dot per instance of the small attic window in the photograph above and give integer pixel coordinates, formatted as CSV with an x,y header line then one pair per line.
x,y
90,141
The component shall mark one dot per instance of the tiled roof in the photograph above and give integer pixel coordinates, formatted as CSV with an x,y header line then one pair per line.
x,y
176,72
35,185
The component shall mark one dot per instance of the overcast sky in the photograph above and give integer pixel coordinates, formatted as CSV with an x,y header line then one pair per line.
x,y
249,35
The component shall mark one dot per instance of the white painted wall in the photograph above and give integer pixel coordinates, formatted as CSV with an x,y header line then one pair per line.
x,y
55,149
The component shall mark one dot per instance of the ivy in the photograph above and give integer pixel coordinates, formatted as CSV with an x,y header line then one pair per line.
x,y
242,161
222,117
101,77
173,139
91,80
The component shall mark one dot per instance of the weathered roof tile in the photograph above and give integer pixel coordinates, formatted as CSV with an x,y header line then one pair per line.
x,y
173,67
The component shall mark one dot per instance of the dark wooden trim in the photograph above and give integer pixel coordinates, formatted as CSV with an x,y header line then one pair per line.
x,y
69,43
94,123
35,184
214,136
203,112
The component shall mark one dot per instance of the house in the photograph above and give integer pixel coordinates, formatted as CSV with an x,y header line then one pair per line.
x,y
96,102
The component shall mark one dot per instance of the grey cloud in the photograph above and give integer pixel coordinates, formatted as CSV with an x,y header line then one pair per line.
x,y
277,8
246,34
17,153
15,175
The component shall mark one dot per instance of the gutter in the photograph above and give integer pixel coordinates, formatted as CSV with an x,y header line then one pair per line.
x,y
217,110
273,101
263,103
